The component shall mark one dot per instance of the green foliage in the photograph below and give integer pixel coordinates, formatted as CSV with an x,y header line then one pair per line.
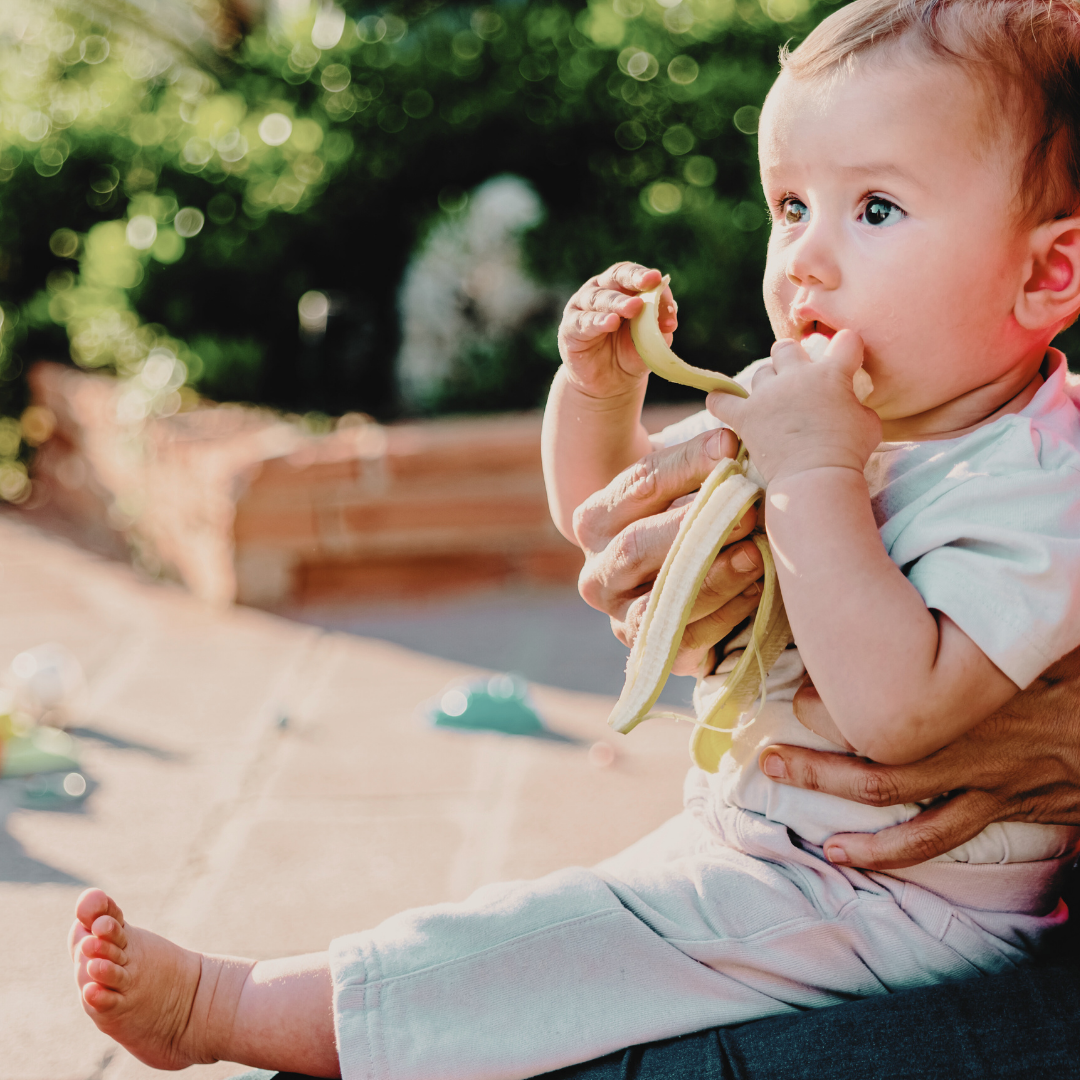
x,y
152,209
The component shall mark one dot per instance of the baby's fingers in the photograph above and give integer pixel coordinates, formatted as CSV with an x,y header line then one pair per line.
x,y
628,277
586,325
727,408
845,351
786,354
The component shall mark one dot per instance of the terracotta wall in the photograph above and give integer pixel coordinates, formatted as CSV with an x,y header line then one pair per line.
x,y
242,505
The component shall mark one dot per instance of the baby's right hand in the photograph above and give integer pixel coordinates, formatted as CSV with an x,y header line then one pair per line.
x,y
594,335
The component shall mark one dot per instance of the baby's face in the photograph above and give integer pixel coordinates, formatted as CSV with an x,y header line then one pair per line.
x,y
894,218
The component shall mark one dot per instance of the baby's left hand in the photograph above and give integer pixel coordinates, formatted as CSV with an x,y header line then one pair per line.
x,y
803,415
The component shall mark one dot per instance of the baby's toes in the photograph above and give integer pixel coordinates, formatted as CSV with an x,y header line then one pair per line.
x,y
100,998
108,929
94,948
92,904
75,936
106,973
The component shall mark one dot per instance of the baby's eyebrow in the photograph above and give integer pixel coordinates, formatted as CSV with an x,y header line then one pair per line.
x,y
871,170
885,169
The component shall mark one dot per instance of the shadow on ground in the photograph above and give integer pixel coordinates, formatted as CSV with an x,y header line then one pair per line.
x,y
549,636
15,864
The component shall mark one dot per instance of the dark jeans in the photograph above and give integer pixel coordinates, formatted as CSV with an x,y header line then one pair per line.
x,y
1021,1025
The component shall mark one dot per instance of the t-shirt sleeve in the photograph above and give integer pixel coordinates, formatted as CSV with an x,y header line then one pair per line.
x,y
999,553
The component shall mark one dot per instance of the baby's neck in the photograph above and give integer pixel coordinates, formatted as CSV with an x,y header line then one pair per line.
x,y
961,415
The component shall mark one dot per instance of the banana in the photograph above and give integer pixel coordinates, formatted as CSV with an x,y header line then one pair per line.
x,y
732,488
718,507
658,357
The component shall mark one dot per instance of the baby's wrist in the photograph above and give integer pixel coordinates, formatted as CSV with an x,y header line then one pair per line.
x,y
812,472
809,462
602,395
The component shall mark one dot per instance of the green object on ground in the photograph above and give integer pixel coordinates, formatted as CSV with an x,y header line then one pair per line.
x,y
37,750
496,704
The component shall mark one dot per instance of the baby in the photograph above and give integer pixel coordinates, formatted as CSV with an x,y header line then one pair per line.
x,y
922,169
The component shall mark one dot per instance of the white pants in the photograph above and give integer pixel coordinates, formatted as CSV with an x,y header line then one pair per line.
x,y
713,919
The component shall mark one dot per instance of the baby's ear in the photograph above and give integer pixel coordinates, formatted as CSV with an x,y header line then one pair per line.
x,y
1051,293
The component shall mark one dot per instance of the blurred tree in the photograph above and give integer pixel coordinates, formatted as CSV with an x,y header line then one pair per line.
x,y
164,206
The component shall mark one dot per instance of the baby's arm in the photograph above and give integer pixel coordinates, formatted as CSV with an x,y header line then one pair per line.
x,y
592,422
899,680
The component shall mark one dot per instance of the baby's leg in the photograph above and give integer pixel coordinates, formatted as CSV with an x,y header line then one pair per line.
x,y
172,1007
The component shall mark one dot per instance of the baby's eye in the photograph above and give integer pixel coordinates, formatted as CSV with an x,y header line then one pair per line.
x,y
793,211
879,211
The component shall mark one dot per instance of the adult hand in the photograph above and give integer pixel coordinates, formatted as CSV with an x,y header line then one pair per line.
x,y
626,529
1020,764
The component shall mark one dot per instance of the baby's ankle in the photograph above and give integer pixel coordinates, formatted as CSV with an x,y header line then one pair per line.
x,y
211,1028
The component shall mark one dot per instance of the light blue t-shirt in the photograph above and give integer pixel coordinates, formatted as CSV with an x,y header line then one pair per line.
x,y
987,527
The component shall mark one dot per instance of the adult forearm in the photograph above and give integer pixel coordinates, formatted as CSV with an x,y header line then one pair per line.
x,y
586,441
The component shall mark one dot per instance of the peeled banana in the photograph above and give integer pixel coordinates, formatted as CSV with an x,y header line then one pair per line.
x,y
730,491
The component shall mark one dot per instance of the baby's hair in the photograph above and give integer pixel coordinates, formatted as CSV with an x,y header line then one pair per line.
x,y
1027,51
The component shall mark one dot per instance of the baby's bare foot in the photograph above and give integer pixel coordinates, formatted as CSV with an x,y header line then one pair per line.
x,y
165,1004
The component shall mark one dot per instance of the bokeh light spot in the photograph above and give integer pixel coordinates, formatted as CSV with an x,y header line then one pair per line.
x,y
141,232
630,135
371,29
74,784
189,221
94,49
683,70
221,209
678,140
664,197
748,217
417,103
454,702
453,200
329,26
746,119
64,243
275,129
642,66
700,170
336,77
314,311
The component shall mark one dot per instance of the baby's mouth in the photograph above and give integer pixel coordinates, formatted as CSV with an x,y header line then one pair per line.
x,y
817,327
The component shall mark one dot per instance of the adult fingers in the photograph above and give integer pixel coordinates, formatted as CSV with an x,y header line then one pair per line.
x,y
700,636
735,571
615,576
927,835
648,487
733,594
862,780
612,577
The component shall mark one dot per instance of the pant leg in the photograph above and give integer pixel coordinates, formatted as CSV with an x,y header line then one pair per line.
x,y
527,977
1018,1026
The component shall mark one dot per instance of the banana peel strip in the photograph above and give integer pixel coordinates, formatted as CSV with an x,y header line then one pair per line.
x,y
657,354
769,637
719,506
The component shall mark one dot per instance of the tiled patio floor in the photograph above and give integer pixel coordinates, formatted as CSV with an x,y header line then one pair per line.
x,y
215,824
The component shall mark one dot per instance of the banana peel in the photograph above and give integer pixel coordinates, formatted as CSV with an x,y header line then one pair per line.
x,y
732,488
